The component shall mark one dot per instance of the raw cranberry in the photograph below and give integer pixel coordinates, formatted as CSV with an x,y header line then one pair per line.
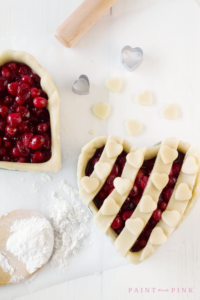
x,y
136,200
127,214
21,159
98,202
180,158
5,72
3,83
43,94
110,191
12,88
37,157
167,194
35,77
162,205
23,112
115,170
26,138
121,160
14,119
15,151
19,100
102,194
27,79
0,140
4,111
37,142
23,70
12,66
89,169
175,170
2,125
94,160
140,175
23,127
11,130
35,92
24,151
6,141
143,243
23,92
99,151
40,102
148,164
136,246
128,205
157,214
117,223
42,127
6,158
8,100
172,181
46,155
2,151
143,182
134,191
110,181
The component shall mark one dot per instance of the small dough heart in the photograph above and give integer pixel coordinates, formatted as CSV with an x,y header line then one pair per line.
x,y
145,98
183,192
122,185
190,166
170,112
147,252
113,149
110,207
89,184
133,127
102,169
135,159
101,110
171,218
168,154
157,236
135,226
159,180
114,84
147,205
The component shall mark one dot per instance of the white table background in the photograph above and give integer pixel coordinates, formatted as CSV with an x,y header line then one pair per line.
x,y
36,17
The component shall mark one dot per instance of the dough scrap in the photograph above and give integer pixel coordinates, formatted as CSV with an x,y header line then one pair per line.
x,y
114,84
157,236
102,169
190,166
171,218
135,159
122,185
110,207
147,205
159,180
170,112
101,110
135,226
113,149
133,127
183,192
144,98
89,184
168,154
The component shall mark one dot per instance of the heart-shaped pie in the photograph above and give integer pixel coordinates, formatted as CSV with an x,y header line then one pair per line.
x,y
151,190
29,115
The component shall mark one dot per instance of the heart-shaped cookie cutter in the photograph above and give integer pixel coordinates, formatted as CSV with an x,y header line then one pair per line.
x,y
81,86
131,57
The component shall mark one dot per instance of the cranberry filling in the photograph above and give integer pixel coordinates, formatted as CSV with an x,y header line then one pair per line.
x,y
161,206
25,134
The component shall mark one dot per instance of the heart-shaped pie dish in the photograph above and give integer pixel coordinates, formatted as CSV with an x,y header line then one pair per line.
x,y
146,195
29,115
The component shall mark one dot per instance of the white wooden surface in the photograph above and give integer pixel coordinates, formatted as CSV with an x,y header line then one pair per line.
x,y
36,17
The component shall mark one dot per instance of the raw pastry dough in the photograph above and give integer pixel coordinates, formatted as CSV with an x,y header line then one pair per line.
x,y
147,205
89,184
110,207
183,192
171,218
168,154
157,236
101,110
113,148
190,166
135,226
145,98
160,180
135,159
114,84
133,127
170,112
122,185
102,169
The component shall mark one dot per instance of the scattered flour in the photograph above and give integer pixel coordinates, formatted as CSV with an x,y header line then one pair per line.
x,y
31,242
7,268
35,186
70,222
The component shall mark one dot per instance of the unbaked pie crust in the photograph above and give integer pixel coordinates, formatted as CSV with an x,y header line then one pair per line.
x,y
54,164
185,193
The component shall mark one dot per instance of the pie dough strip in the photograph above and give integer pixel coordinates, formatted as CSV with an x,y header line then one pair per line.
x,y
126,239
129,172
173,205
87,198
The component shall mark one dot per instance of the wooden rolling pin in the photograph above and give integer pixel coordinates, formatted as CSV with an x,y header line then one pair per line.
x,y
81,20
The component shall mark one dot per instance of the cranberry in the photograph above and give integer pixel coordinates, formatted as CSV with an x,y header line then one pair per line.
x,y
6,158
12,108
37,157
27,79
43,94
7,142
98,202
148,164
4,111
136,200
157,214
2,125
99,151
14,119
162,205
180,158
143,182
15,151
5,72
12,66
27,139
102,194
89,169
21,159
128,205
167,194
143,243
117,223
127,214
37,142
2,151
23,92
42,127
121,160
23,112
35,77
3,83
19,100
24,151
134,191
40,102
140,175
115,170
46,155
172,181
12,88
11,130
23,127
94,160
35,92
110,191
23,70
0,140
8,100
110,181
175,170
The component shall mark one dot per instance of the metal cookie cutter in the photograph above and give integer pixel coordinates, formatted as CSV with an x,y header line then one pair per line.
x,y
131,57
81,86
